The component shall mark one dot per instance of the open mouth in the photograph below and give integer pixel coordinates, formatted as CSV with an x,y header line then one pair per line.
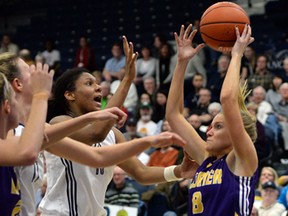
x,y
98,99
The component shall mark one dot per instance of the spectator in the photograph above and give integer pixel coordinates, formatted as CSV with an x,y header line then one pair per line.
x,y
8,46
269,205
25,54
145,126
113,66
52,57
131,99
194,120
281,110
105,89
283,198
121,193
200,107
165,156
273,95
146,67
261,76
150,87
85,56
216,78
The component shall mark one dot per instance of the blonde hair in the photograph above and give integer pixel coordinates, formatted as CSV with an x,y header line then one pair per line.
x,y
8,66
5,90
248,119
275,175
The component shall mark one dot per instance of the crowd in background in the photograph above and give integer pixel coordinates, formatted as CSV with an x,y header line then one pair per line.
x,y
145,106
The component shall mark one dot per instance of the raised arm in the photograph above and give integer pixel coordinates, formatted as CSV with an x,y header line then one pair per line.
x,y
24,151
196,146
243,159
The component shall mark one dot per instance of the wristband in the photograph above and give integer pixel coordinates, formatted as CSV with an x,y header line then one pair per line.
x,y
42,95
169,174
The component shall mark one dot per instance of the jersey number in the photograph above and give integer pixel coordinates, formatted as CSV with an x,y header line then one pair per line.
x,y
197,205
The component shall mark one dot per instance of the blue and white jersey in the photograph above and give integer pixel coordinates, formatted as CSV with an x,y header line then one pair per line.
x,y
216,191
30,178
75,189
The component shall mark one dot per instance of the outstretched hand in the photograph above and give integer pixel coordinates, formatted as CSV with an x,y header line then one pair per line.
x,y
113,113
184,43
130,66
242,41
41,78
167,139
188,167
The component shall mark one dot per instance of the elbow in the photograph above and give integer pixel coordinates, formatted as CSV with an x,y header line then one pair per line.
x,y
227,98
28,158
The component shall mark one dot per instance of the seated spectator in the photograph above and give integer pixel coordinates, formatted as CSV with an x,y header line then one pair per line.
x,y
195,121
283,198
145,126
165,156
150,88
146,67
120,192
113,66
159,108
261,76
216,77
273,94
281,111
267,174
131,99
200,107
269,205
8,46
105,88
193,86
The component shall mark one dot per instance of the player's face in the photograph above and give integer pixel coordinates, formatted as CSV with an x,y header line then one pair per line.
x,y
218,140
87,94
14,110
25,80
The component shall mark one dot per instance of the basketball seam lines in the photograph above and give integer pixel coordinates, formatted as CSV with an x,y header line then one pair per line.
x,y
225,6
217,39
222,23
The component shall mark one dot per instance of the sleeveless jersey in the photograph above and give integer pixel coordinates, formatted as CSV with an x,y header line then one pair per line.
x,y
10,199
216,191
30,178
75,189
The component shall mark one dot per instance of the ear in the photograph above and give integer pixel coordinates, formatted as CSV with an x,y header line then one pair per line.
x,y
70,96
7,107
17,85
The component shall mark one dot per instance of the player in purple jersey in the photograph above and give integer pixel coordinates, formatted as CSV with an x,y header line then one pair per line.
x,y
225,182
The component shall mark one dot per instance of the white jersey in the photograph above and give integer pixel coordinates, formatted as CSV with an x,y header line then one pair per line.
x,y
30,178
75,189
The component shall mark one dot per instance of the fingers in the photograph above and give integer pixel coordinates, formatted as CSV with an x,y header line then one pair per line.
x,y
199,47
125,45
181,32
187,32
177,140
237,32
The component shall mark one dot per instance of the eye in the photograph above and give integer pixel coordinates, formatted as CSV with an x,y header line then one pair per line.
x,y
89,83
218,126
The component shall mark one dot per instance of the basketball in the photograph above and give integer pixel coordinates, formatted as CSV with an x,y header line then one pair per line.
x,y
217,25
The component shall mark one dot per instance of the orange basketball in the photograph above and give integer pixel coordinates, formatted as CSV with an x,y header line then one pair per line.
x,y
217,25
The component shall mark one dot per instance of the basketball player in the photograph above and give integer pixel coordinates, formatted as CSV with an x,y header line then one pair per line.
x,y
25,149
225,182
74,189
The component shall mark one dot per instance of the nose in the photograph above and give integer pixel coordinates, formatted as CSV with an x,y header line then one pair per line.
x,y
98,88
209,131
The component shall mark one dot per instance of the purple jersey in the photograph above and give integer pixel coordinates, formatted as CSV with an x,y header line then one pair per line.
x,y
216,191
10,202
